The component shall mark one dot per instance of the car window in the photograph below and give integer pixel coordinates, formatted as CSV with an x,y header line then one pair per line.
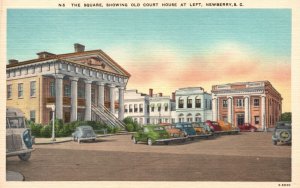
x,y
15,122
178,126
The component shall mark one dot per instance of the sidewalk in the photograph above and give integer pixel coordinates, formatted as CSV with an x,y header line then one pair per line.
x,y
41,141
14,176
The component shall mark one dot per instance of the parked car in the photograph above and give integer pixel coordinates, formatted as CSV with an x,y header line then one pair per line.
x,y
282,132
247,127
152,134
84,132
172,130
18,136
221,127
202,129
187,128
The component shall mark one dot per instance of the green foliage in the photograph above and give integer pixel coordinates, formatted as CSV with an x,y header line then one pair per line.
x,y
46,131
131,125
35,129
287,116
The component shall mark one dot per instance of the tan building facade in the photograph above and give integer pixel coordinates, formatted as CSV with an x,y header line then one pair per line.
x,y
257,103
74,83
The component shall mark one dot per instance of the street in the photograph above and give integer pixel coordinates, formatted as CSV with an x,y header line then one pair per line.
x,y
243,157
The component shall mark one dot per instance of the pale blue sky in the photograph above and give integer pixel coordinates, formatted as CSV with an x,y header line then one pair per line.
x,y
266,31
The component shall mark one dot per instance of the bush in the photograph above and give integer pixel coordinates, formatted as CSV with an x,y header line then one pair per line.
x,y
129,127
36,129
46,131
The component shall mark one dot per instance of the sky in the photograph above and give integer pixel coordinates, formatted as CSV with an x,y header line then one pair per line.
x,y
166,49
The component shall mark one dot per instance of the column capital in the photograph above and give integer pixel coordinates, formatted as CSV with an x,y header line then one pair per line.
x,y
99,83
111,85
121,88
58,76
263,95
74,79
86,81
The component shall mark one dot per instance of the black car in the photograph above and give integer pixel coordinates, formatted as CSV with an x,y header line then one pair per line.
x,y
282,132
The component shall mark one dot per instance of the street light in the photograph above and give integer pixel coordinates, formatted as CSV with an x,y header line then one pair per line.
x,y
53,122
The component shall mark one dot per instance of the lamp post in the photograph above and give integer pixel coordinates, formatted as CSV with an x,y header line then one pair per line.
x,y
53,123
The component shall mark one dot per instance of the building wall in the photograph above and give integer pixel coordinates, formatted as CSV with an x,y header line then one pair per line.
x,y
27,103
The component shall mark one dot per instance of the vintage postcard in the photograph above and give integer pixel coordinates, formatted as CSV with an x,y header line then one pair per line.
x,y
150,93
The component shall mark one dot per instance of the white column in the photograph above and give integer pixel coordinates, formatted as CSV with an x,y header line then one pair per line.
x,y
229,109
214,108
74,92
100,94
112,98
263,112
59,95
246,99
121,103
88,100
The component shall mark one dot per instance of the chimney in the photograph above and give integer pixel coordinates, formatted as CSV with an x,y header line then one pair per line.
x,y
12,61
43,55
160,94
173,96
151,92
79,47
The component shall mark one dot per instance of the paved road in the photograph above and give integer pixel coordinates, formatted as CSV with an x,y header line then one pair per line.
x,y
243,157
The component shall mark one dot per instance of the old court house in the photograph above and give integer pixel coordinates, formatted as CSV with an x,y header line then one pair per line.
x,y
74,82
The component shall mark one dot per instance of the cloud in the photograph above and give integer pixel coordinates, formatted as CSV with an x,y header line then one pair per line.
x,y
165,68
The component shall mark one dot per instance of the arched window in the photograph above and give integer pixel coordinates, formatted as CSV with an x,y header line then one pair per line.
x,y
180,118
189,117
198,117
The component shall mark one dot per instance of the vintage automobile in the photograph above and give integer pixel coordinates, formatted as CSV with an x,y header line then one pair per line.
x,y
221,127
84,132
172,130
202,129
282,132
18,136
187,128
247,127
153,134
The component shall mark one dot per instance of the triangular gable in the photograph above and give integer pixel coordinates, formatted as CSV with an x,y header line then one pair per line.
x,y
98,60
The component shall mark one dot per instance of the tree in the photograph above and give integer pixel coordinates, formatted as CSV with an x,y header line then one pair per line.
x,y
286,116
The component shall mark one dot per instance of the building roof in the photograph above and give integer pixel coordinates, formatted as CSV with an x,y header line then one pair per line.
x,y
69,55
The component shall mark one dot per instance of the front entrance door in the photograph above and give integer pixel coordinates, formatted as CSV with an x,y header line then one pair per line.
x,y
240,119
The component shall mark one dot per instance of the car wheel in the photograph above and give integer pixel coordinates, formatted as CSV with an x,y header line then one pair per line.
x,y
134,140
94,140
149,142
274,142
24,156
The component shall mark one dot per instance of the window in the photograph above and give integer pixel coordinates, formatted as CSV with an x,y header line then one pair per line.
x,y
20,90
166,108
256,120
32,115
9,91
148,108
256,102
180,104
225,104
93,93
240,102
141,107
52,89
125,109
152,108
159,108
189,103
81,91
205,103
135,108
130,108
198,103
32,88
67,91
210,104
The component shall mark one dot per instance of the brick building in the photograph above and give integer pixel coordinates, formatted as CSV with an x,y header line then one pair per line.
x,y
257,103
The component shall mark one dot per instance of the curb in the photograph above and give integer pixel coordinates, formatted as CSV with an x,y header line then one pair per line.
x,y
69,140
